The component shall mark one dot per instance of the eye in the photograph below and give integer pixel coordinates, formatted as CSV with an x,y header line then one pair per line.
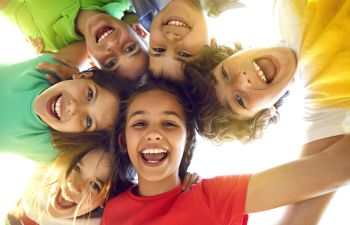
x,y
130,48
90,94
95,186
139,124
224,73
240,101
169,124
184,54
76,168
159,50
111,63
88,121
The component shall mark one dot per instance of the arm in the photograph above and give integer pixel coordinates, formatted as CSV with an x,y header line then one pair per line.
x,y
302,179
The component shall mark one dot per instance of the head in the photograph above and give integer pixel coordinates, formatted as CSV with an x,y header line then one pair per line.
x,y
238,92
116,46
89,102
86,170
178,34
158,130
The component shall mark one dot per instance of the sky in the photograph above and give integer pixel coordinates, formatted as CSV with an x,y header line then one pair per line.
x,y
281,143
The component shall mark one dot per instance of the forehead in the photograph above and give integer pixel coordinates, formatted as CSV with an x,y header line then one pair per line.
x,y
156,100
98,160
166,66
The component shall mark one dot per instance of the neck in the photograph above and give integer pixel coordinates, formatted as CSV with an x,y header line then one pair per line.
x,y
152,188
81,20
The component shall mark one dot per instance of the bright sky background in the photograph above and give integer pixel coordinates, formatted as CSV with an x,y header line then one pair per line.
x,y
281,143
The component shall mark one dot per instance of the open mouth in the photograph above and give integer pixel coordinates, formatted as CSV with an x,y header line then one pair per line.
x,y
154,156
103,33
265,69
63,201
178,22
54,106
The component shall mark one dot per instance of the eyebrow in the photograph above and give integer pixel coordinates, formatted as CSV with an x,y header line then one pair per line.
x,y
95,99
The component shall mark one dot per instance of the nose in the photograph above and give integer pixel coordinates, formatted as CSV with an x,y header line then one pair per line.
x,y
173,36
153,135
76,186
112,46
71,107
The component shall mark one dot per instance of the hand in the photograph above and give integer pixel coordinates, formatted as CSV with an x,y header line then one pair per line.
x,y
56,72
216,7
190,179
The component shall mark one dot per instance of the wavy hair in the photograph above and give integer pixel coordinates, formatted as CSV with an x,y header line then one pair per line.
x,y
216,122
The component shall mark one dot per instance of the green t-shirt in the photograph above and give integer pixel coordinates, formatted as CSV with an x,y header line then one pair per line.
x,y
22,132
54,20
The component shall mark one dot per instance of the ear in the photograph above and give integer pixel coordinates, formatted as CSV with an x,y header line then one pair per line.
x,y
139,30
270,113
84,75
213,41
121,143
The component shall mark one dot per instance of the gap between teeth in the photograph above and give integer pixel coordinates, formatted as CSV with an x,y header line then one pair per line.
x,y
260,72
104,35
154,151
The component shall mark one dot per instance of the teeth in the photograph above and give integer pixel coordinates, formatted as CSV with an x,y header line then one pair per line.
x,y
153,151
260,72
56,107
66,197
104,35
177,23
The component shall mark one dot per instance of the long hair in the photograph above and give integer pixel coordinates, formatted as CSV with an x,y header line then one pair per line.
x,y
177,89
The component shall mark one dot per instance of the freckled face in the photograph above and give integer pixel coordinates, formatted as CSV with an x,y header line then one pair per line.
x,y
78,105
113,45
178,34
254,79
81,194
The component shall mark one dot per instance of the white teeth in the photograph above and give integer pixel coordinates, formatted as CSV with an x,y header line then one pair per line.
x,y
56,107
260,72
66,197
153,151
104,35
177,23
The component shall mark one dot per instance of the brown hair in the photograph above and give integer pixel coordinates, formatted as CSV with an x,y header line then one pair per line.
x,y
177,89
216,122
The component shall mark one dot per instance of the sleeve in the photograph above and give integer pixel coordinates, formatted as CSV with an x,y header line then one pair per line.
x,y
226,196
326,123
115,8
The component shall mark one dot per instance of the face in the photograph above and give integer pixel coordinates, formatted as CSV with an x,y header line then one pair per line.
x,y
81,193
156,137
254,79
178,34
113,45
78,105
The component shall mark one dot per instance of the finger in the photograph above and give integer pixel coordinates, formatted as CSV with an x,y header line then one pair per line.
x,y
51,79
194,178
47,66
63,61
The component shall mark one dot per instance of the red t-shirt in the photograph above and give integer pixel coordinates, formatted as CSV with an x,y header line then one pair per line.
x,y
219,200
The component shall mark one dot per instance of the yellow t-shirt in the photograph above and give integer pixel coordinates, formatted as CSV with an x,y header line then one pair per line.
x,y
319,31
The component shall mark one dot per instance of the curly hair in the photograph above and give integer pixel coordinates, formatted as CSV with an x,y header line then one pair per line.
x,y
178,90
214,121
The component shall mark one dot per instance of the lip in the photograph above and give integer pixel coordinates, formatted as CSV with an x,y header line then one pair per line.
x,y
153,164
48,106
58,204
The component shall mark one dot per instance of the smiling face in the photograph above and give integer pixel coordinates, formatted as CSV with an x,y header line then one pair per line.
x,y
113,45
253,80
178,34
78,105
83,187
155,139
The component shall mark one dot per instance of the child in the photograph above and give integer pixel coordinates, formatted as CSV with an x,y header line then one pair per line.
x,y
160,139
112,44
178,33
76,192
30,108
323,66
